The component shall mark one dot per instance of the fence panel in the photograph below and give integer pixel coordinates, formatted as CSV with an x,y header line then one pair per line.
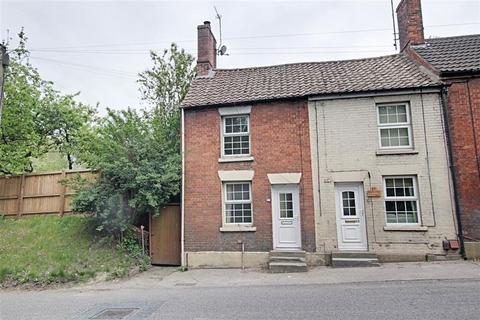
x,y
38,193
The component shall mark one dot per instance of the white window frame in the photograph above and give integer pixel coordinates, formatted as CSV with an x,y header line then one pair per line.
x,y
405,198
225,134
225,202
398,125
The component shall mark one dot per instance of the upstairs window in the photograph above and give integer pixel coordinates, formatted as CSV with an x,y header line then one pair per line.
x,y
394,126
236,135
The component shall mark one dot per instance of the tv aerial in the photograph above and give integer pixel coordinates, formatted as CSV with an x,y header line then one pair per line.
x,y
222,49
395,38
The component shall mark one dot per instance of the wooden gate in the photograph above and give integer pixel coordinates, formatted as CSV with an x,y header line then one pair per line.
x,y
165,236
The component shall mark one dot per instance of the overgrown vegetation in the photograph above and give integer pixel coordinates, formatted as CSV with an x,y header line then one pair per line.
x,y
137,153
42,251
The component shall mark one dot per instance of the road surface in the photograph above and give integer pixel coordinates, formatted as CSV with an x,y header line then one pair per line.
x,y
413,299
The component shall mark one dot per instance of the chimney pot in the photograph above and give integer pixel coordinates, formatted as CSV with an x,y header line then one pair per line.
x,y
207,23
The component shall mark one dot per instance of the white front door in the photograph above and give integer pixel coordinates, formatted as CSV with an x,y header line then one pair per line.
x,y
351,229
286,217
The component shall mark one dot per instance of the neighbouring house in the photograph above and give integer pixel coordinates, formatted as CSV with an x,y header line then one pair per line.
x,y
456,62
323,162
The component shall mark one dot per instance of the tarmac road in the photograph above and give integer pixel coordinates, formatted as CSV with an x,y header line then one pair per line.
x,y
386,299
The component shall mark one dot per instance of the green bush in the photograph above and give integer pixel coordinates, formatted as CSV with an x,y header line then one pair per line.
x,y
137,153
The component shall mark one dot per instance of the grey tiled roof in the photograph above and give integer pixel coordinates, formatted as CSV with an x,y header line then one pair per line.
x,y
230,86
452,54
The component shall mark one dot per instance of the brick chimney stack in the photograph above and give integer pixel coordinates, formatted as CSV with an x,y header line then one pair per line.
x,y
207,49
410,23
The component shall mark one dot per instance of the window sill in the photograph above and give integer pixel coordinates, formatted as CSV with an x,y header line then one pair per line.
x,y
238,228
396,152
236,159
406,228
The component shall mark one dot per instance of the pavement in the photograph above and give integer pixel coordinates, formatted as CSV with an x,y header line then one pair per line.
x,y
168,277
434,290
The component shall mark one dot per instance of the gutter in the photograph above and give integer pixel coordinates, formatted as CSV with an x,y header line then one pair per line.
x,y
444,97
466,74
378,93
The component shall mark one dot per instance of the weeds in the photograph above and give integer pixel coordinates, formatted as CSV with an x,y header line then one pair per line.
x,y
41,251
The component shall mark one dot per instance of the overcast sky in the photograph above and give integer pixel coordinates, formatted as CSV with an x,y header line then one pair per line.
x,y
98,47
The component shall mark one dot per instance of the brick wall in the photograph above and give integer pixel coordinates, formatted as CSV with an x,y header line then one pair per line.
x,y
279,142
464,118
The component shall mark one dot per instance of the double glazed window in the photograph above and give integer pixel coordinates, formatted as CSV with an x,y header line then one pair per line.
x,y
394,126
236,135
401,200
238,202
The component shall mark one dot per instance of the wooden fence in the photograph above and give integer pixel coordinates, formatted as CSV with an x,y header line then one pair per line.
x,y
38,193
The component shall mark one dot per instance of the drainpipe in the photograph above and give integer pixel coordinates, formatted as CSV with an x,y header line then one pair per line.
x,y
444,99
182,205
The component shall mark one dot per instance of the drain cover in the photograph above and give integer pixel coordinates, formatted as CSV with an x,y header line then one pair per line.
x,y
185,284
114,313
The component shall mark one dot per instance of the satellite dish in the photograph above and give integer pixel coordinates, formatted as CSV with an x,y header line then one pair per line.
x,y
223,50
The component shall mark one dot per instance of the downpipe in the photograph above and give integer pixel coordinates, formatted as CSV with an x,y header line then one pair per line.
x,y
182,205
444,99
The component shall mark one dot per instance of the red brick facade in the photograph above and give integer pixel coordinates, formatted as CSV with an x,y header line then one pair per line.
x,y
279,143
463,119
464,123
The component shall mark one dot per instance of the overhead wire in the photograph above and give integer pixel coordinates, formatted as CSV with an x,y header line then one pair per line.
x,y
232,51
96,69
252,37
286,50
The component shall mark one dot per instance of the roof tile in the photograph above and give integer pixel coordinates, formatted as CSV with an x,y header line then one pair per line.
x,y
452,54
230,86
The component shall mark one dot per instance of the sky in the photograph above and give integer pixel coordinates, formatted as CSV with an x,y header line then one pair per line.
x,y
98,48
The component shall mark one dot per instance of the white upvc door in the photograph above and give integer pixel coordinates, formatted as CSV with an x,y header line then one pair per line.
x,y
286,217
351,226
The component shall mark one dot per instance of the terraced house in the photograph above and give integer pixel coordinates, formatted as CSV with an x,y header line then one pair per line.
x,y
338,162
456,62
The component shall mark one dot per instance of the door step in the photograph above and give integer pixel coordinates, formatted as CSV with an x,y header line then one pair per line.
x,y
354,259
287,261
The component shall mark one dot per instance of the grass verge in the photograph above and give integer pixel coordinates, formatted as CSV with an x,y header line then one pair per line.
x,y
42,251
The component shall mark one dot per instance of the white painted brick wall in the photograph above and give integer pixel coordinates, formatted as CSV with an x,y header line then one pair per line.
x,y
347,143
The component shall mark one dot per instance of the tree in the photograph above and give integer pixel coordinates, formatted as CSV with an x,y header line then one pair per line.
x,y
137,153
165,85
64,122
36,118
25,94
163,88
